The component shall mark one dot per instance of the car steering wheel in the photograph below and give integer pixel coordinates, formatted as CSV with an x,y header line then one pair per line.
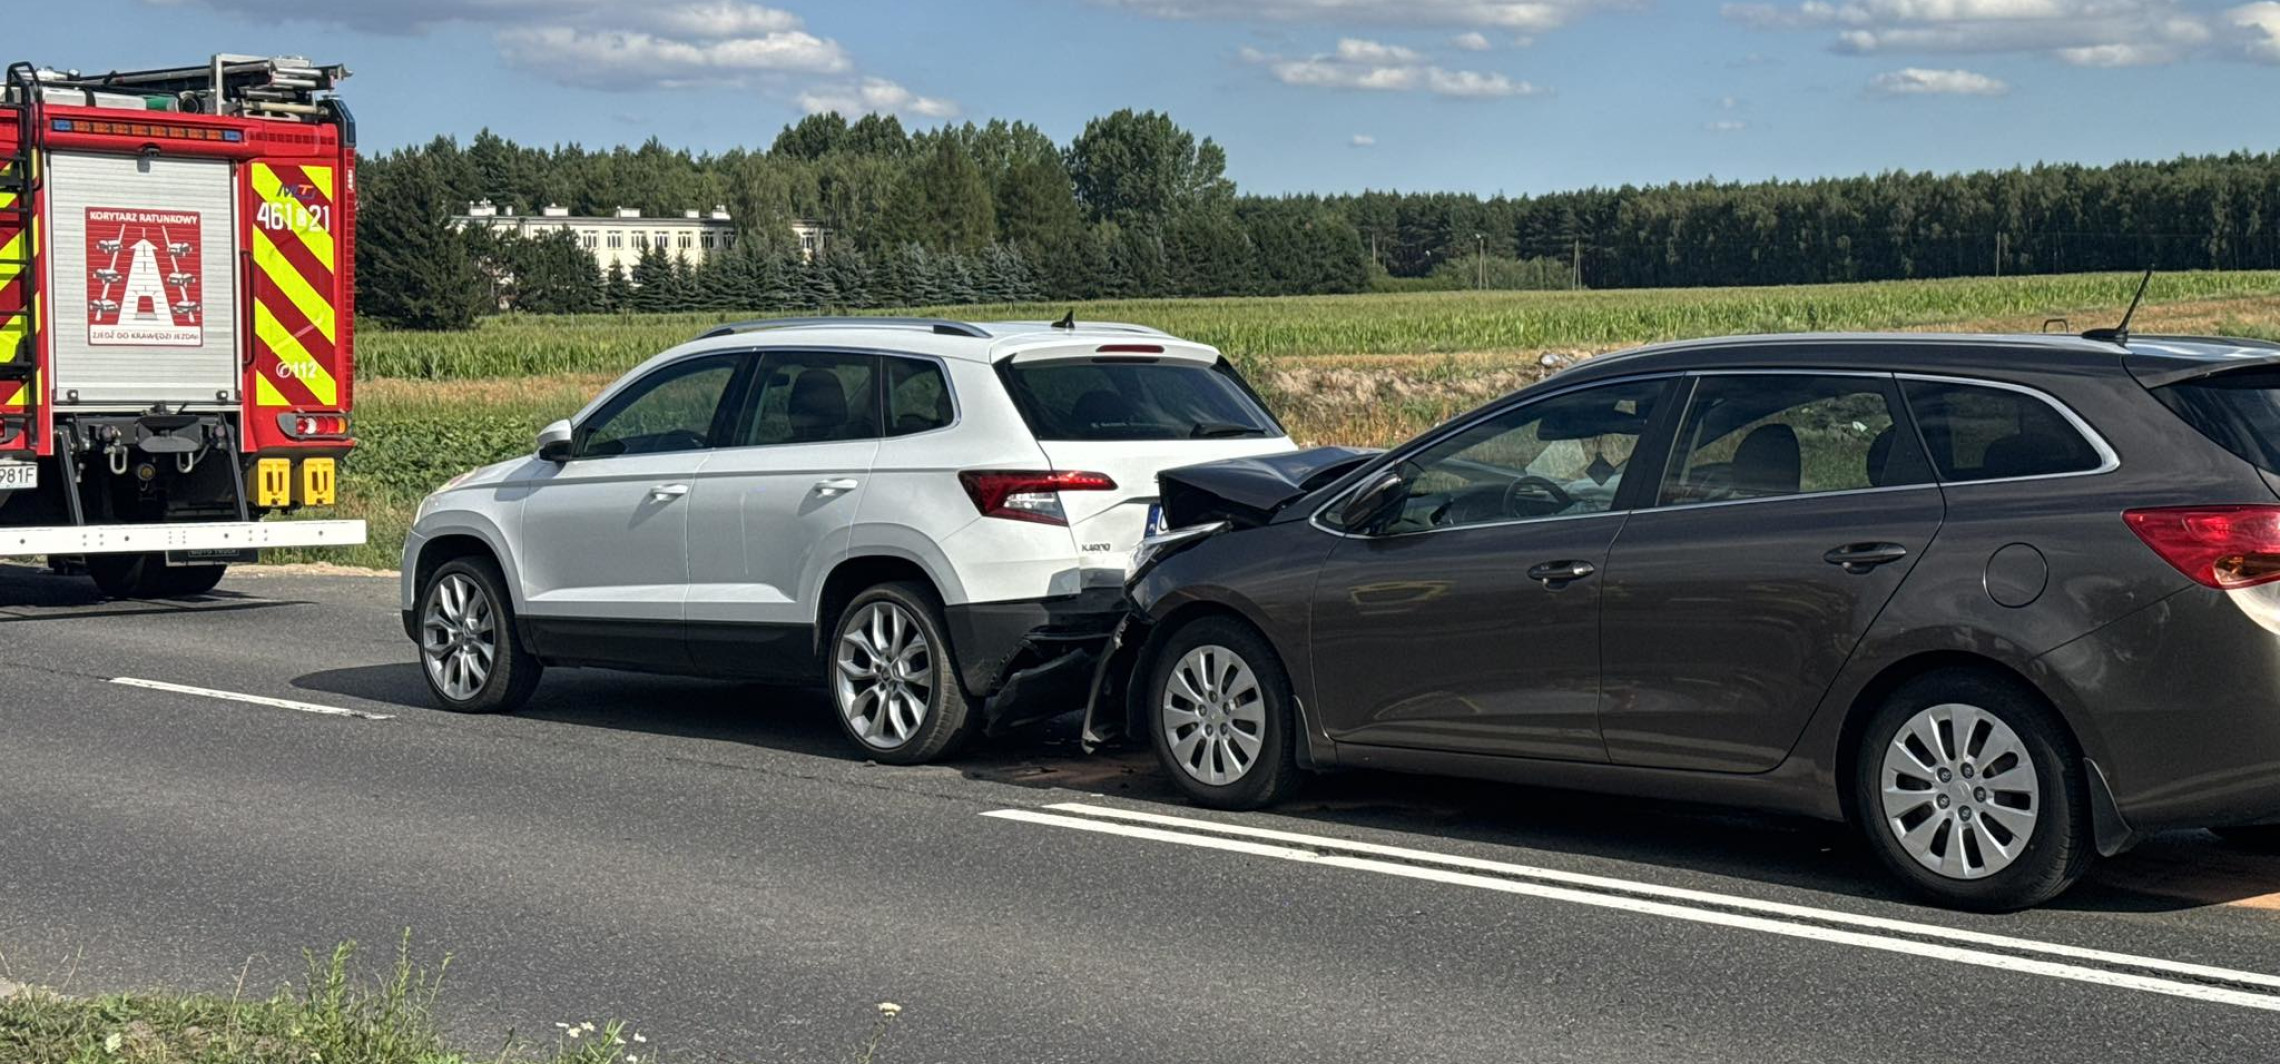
x,y
1547,488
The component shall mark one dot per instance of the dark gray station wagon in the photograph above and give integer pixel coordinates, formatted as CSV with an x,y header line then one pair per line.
x,y
2005,602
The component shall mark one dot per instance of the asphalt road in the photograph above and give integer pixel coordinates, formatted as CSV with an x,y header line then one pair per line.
x,y
708,862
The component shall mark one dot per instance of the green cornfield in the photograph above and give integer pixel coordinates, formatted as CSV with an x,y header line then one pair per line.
x,y
1364,369
1405,323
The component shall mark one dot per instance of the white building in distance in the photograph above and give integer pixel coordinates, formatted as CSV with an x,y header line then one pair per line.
x,y
618,240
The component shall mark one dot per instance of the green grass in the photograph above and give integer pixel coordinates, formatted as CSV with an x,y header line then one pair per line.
x,y
335,1016
1366,369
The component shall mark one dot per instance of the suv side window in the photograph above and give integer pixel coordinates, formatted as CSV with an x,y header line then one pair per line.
x,y
1759,436
1977,432
812,397
918,397
676,408
1555,457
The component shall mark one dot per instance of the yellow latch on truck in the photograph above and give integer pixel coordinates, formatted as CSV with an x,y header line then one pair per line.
x,y
275,486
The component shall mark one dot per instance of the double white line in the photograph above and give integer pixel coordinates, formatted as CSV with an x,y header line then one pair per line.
x,y
2224,986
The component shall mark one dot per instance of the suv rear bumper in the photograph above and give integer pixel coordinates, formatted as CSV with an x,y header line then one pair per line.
x,y
1032,659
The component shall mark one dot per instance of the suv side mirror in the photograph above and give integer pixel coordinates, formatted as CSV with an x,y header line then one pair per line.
x,y
554,442
1374,505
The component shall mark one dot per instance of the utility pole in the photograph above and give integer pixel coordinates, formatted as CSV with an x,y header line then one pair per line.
x,y
2001,238
1482,243
1578,282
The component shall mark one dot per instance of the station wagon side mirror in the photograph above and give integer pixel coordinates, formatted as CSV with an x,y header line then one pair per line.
x,y
554,442
1372,506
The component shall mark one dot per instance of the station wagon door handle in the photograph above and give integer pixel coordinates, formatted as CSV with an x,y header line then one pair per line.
x,y
1863,557
837,487
668,491
1556,575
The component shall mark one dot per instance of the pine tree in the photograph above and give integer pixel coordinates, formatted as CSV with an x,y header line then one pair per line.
x,y
413,269
617,290
653,281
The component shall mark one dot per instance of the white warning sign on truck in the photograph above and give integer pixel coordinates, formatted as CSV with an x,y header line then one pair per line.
x,y
144,278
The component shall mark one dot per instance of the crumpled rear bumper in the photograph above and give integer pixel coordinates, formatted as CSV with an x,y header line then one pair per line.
x,y
1031,660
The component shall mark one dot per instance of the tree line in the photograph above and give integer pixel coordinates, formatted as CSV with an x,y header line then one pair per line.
x,y
1136,206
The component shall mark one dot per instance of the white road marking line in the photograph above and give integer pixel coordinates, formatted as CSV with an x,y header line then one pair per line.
x,y
1911,947
1701,897
258,700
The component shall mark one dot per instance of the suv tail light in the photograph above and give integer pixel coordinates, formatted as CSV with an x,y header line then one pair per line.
x,y
1029,496
2224,547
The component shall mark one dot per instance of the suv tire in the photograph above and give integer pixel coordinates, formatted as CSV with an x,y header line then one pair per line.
x,y
1219,715
894,679
469,653
1975,766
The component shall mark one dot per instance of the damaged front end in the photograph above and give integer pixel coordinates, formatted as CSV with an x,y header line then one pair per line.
x,y
1199,502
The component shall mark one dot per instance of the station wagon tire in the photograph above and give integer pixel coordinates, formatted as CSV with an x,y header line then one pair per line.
x,y
469,654
2262,838
893,680
1968,789
1219,716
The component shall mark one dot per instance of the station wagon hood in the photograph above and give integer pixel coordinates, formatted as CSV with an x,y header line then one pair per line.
x,y
1248,492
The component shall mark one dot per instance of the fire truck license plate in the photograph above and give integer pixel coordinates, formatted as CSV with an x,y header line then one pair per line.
x,y
17,475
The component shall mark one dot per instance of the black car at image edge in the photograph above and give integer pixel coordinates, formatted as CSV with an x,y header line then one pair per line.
x,y
2007,603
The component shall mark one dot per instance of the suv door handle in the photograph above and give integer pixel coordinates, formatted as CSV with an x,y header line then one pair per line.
x,y
668,491
1860,558
837,487
1556,575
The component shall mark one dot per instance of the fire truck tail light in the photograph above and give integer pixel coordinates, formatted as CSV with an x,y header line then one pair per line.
x,y
313,426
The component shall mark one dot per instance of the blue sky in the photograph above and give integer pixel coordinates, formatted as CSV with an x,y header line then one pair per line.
x,y
1515,96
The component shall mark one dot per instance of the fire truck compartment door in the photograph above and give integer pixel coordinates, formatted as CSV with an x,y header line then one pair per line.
x,y
143,278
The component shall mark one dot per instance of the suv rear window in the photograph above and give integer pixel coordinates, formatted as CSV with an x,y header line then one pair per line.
x,y
1141,399
2240,410
1976,432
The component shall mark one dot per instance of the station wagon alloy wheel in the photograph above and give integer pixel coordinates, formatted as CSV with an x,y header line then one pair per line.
x,y
1214,715
885,676
1960,791
459,637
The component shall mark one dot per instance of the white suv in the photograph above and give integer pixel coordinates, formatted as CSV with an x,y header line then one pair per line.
x,y
932,518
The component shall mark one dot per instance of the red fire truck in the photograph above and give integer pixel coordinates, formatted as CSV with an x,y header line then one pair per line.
x,y
177,256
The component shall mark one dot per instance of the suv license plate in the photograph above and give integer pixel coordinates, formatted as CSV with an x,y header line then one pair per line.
x,y
15,476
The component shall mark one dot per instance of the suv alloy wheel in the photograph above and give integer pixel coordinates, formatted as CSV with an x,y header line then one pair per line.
x,y
468,651
893,679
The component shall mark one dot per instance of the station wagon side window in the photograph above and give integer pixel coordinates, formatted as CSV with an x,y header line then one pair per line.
x,y
1977,432
1558,457
812,397
675,408
1757,436
918,397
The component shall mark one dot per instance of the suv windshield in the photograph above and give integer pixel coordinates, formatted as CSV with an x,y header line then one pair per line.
x,y
1135,400
2240,410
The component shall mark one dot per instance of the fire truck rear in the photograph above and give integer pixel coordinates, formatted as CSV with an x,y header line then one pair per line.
x,y
176,307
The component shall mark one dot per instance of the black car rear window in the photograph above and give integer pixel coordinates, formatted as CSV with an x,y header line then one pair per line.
x,y
2240,410
1978,432
1135,400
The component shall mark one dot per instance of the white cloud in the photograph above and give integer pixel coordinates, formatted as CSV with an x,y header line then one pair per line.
x,y
1363,140
1917,81
2091,33
2258,26
1726,125
600,58
1370,66
874,94
618,45
1528,16
1475,41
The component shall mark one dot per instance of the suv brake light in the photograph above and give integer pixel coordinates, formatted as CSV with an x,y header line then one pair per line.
x,y
2224,547
1029,496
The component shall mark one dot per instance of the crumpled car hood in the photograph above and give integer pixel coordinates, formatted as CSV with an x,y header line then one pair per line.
x,y
1248,492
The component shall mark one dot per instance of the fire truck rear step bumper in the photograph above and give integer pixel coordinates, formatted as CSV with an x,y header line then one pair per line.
x,y
203,535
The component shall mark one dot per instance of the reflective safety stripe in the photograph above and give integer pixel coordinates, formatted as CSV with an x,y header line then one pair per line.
x,y
295,322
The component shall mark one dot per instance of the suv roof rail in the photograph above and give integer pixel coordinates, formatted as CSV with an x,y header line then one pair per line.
x,y
940,326
1097,326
